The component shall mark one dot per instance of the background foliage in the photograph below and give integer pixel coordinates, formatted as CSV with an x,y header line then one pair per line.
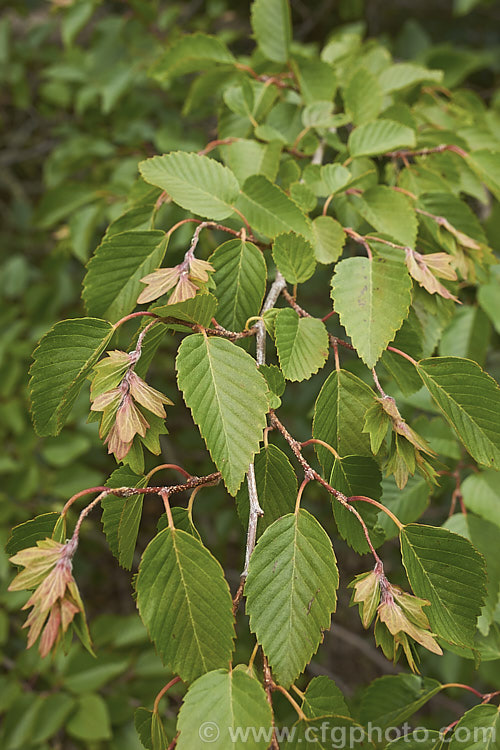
x,y
80,109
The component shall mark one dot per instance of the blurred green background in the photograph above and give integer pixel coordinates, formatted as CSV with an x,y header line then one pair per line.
x,y
78,111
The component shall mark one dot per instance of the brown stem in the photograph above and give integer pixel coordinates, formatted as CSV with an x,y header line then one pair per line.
x,y
133,315
268,687
317,441
169,466
389,513
302,487
164,494
214,144
171,489
402,354
312,474
163,691
359,239
464,687
80,494
292,701
426,151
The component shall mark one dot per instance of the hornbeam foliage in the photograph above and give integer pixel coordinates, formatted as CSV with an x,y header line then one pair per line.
x,y
315,279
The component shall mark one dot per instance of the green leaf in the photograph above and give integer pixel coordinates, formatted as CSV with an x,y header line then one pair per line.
x,y
481,727
379,137
121,516
316,78
339,415
291,592
390,700
326,731
28,533
52,716
486,164
87,674
470,400
485,537
481,494
269,210
488,297
389,212
363,97
62,361
200,309
143,718
433,740
189,54
318,115
329,239
407,505
246,158
372,298
182,521
185,603
456,211
335,177
294,257
400,76
275,382
467,335
409,339
196,183
322,698
303,196
113,280
228,400
272,27
91,720
447,570
240,282
302,344
357,475
276,488
217,706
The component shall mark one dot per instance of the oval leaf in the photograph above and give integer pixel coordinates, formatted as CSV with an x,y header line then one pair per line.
x,y
62,361
291,592
185,603
197,183
228,399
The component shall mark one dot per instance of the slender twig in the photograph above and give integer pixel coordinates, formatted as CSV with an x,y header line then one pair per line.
x,y
363,499
131,316
359,238
377,384
317,441
302,487
162,692
464,687
164,494
312,474
268,687
293,304
168,466
80,494
255,513
402,354
426,151
215,143
273,294
291,700
73,543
